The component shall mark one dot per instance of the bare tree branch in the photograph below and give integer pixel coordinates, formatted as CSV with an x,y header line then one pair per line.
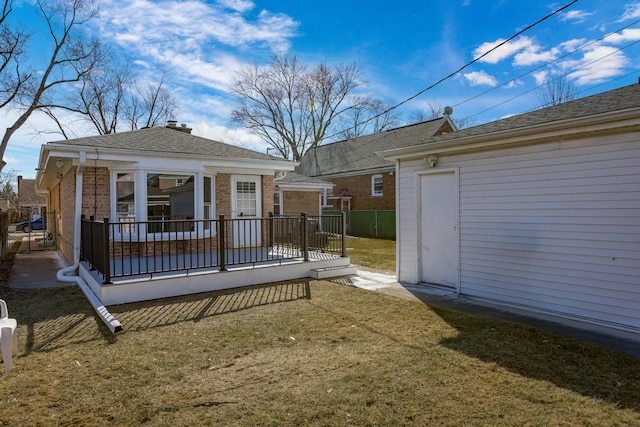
x,y
556,91
291,107
70,57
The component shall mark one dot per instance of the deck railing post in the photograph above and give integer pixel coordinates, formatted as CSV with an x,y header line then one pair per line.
x,y
91,245
343,218
271,226
105,248
82,237
222,244
305,237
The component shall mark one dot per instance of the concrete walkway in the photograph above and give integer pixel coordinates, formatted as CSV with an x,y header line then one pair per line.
x,y
620,341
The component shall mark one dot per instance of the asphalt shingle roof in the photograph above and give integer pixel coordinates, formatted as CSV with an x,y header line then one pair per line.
x,y
166,141
620,99
359,154
296,178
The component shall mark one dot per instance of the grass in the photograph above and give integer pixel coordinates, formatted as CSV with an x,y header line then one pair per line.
x,y
372,253
301,353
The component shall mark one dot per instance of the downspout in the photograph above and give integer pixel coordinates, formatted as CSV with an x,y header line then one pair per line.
x,y
64,275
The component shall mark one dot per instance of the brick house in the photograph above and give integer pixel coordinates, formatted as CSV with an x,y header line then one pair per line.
x,y
361,179
166,204
295,193
126,177
30,205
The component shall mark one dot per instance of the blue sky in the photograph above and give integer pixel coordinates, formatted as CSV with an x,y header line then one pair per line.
x,y
401,47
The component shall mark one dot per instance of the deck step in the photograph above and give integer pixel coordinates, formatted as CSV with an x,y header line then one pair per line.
x,y
341,270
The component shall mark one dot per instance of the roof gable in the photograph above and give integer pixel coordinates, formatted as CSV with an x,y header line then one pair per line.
x,y
359,154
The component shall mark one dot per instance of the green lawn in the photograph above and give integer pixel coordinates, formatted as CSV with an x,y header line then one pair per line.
x,y
301,353
373,253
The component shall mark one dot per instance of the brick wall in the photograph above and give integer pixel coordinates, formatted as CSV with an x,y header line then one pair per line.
x,y
66,209
360,187
95,193
267,195
296,202
223,194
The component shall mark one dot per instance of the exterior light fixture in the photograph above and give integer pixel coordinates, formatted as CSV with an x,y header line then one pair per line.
x,y
432,161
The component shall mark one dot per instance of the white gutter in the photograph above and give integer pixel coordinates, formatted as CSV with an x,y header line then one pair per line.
x,y
63,275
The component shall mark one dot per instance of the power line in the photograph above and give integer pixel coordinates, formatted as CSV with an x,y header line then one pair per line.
x,y
584,46
559,77
528,27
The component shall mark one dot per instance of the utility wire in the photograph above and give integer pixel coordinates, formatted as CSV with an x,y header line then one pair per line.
x,y
380,135
559,77
528,27
584,46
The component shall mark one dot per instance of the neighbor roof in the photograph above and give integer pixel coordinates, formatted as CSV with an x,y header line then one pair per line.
x,y
165,140
624,98
296,178
359,154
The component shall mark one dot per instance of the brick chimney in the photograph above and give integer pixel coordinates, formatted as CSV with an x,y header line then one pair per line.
x,y
173,124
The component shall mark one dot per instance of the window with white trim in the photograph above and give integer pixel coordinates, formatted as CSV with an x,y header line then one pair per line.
x,y
324,198
163,199
277,203
125,196
376,186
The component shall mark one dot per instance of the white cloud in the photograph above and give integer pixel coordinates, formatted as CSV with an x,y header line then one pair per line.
x,y
599,64
632,11
571,45
238,5
240,137
480,78
524,50
575,15
532,55
627,35
503,52
514,84
541,77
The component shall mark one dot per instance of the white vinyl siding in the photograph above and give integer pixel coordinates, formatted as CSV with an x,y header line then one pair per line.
x,y
554,226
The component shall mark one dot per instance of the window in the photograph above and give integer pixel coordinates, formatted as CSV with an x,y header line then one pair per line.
x,y
277,203
376,186
324,198
166,199
125,197
246,202
168,205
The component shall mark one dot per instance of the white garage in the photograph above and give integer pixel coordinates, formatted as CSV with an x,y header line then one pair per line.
x,y
538,211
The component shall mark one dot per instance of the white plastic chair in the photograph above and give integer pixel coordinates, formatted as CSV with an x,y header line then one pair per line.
x,y
8,336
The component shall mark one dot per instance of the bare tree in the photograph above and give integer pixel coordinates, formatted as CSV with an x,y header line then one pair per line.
x,y
432,111
435,111
12,78
556,91
70,58
151,106
292,108
368,116
102,95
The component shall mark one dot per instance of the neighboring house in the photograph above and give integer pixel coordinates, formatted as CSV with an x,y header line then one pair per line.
x,y
362,180
295,193
30,205
162,192
538,211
